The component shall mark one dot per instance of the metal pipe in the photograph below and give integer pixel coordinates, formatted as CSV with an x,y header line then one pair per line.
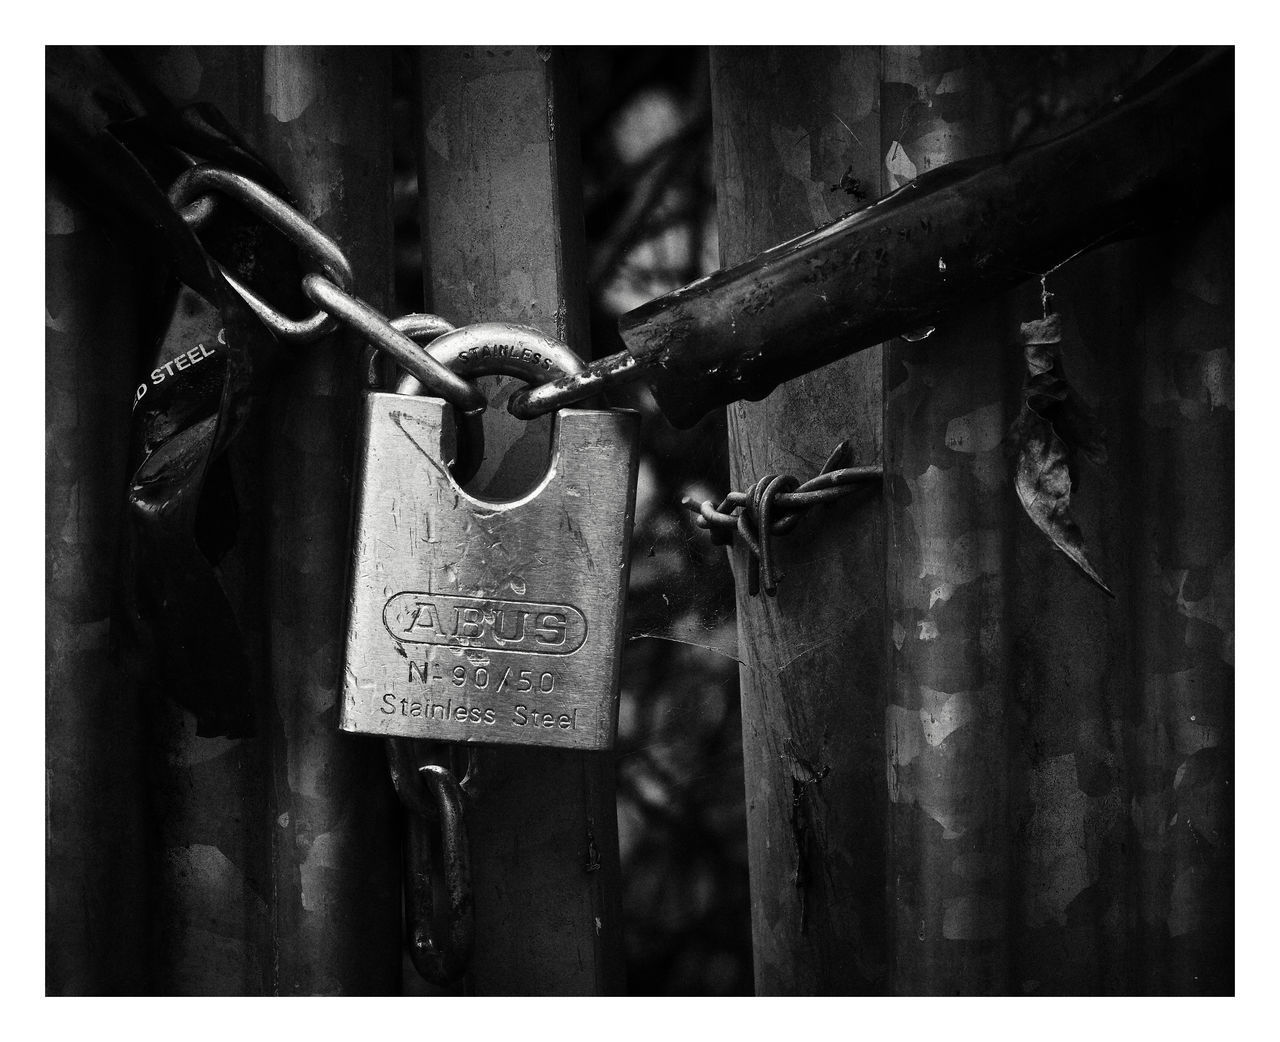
x,y
951,238
334,819
948,511
502,241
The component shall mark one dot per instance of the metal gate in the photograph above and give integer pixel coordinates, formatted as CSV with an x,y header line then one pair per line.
x,y
968,771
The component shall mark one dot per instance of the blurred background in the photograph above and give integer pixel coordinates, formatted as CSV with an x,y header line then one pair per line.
x,y
650,222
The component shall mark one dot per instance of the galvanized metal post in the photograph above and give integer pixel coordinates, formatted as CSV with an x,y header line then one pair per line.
x,y
1124,805
96,909
949,504
1060,763
502,239
1069,688
334,819
1120,771
796,133
1181,710
279,868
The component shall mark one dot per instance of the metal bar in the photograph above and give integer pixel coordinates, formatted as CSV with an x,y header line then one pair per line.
x,y
96,908
568,391
812,674
333,816
502,241
953,238
949,506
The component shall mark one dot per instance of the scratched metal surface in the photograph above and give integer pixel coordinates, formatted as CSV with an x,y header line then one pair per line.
x,y
480,621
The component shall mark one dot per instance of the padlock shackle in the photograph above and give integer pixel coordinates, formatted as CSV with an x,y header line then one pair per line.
x,y
484,349
492,349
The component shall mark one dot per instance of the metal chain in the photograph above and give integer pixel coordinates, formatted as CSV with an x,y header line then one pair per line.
x,y
773,506
430,794
193,196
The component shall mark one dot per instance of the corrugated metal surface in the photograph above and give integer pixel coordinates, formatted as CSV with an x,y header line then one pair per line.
x,y
335,819
1053,812
951,514
272,862
1058,764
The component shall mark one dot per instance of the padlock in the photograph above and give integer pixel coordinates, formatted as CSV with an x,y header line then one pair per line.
x,y
476,621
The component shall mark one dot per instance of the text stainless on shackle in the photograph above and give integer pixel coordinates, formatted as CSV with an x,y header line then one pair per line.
x,y
477,621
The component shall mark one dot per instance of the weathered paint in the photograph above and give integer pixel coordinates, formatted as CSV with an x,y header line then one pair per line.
x,y
326,129
812,676
502,240
96,912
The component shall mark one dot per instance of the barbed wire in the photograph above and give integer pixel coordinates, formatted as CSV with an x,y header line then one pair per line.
x,y
773,506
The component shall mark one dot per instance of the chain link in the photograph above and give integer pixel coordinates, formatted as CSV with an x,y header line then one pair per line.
x,y
434,800
378,330
192,195
331,292
200,180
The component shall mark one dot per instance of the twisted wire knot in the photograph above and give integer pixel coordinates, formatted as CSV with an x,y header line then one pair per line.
x,y
773,506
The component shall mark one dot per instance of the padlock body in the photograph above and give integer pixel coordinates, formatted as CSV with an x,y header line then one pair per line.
x,y
477,621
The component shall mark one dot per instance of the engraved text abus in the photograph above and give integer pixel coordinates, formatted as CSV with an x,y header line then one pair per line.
x,y
482,622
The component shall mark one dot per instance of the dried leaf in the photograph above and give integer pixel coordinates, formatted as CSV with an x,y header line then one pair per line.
x,y
1053,425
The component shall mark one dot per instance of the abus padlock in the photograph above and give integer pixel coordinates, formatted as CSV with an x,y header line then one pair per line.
x,y
477,621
